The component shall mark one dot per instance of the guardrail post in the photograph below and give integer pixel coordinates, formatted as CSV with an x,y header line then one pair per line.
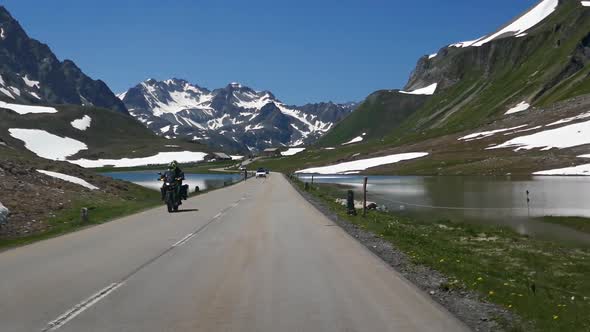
x,y
84,215
351,210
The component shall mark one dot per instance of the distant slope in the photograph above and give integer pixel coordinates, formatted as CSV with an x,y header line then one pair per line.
x,y
109,134
378,116
232,118
31,73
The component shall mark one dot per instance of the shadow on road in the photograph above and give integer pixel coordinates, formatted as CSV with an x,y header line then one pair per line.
x,y
187,210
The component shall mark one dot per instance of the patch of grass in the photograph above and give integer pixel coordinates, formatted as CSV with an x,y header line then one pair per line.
x,y
102,208
578,223
543,282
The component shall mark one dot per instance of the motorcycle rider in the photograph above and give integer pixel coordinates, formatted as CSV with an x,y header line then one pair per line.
x,y
178,175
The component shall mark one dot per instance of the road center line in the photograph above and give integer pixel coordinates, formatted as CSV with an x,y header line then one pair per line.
x,y
182,240
92,300
81,307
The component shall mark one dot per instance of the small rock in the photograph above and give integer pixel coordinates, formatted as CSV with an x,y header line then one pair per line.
x,y
4,212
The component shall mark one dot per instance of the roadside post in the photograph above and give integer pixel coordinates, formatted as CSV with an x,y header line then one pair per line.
x,y
365,196
350,203
245,175
312,181
197,189
528,203
84,215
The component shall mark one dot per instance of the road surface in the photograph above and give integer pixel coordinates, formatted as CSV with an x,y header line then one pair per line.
x,y
252,257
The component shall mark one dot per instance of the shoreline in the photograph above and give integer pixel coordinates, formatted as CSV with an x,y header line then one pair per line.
x,y
466,306
484,275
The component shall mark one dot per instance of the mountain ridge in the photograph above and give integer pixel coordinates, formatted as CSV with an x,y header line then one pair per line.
x,y
31,73
235,117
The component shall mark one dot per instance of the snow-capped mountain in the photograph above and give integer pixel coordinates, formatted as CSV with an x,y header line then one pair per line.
x,y
233,118
31,73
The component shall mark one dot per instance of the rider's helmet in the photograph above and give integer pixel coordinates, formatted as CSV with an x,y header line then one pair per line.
x,y
172,166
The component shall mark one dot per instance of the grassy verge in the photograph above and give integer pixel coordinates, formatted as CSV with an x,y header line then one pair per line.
x,y
102,208
578,223
543,282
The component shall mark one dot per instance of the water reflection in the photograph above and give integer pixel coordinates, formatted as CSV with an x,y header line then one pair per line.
x,y
490,200
149,179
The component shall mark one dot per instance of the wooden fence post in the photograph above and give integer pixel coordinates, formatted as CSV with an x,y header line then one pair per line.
x,y
365,196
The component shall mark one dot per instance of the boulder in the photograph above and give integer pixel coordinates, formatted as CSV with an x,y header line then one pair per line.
x,y
4,212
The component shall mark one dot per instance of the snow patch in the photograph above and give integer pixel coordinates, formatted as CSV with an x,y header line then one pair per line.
x,y
83,123
519,108
562,137
26,109
574,170
69,178
158,159
6,92
431,56
292,151
47,145
568,120
429,90
586,3
519,26
357,166
354,140
484,134
30,83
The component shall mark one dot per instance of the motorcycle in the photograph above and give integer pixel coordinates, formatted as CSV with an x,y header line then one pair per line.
x,y
171,193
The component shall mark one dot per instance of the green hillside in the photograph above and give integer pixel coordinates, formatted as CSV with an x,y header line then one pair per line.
x,y
476,87
110,135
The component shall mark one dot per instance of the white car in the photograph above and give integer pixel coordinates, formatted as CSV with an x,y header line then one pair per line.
x,y
261,173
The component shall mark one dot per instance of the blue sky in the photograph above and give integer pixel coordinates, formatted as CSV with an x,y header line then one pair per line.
x,y
303,51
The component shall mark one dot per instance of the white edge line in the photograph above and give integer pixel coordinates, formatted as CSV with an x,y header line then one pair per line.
x,y
81,307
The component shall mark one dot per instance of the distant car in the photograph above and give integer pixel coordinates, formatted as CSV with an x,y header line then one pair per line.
x,y
242,168
261,173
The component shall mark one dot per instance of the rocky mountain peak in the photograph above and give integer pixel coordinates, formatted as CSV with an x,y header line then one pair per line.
x,y
235,117
31,73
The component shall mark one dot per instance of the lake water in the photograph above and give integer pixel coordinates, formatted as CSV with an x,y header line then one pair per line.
x,y
149,179
495,200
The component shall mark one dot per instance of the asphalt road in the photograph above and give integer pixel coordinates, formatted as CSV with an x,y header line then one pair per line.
x,y
252,257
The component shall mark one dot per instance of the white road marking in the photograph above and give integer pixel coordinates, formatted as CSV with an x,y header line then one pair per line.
x,y
81,307
183,240
92,300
